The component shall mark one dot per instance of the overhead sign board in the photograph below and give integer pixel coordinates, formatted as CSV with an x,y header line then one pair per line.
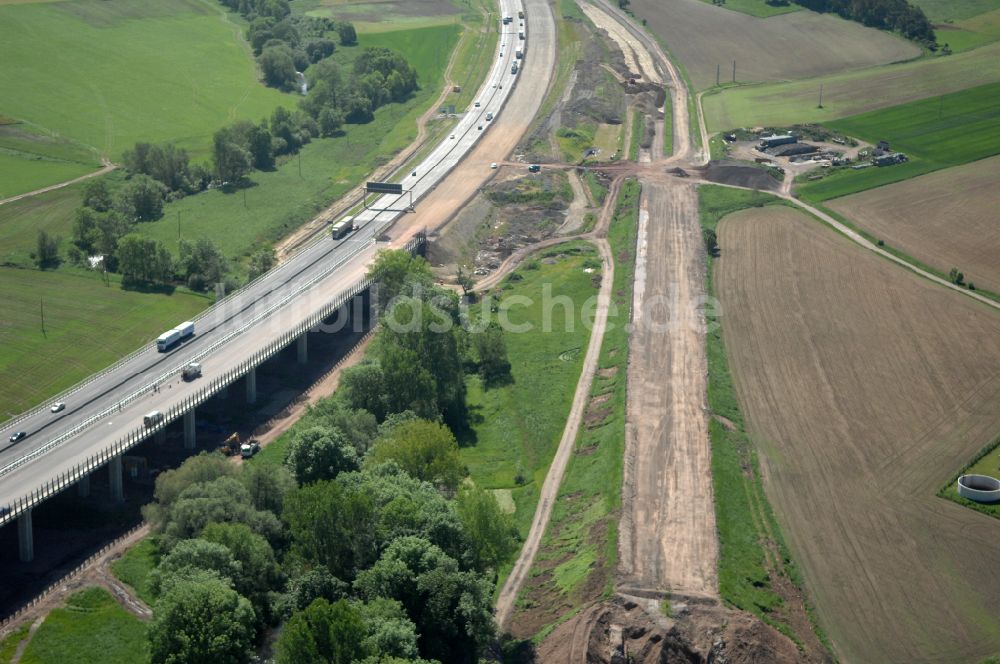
x,y
383,188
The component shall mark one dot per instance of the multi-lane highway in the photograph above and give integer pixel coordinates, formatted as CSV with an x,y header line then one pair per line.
x,y
110,405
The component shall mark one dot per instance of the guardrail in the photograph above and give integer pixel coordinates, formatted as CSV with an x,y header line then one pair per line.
x,y
136,436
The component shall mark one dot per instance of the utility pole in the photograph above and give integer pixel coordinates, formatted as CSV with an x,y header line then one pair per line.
x,y
820,96
734,71
717,69
178,232
244,198
41,308
300,164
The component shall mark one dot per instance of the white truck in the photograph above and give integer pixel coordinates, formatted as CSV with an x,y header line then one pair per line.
x,y
191,371
519,54
165,341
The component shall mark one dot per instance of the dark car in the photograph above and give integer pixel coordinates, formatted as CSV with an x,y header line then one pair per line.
x,y
18,435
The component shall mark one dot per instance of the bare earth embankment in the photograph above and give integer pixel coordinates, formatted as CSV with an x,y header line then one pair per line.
x,y
790,46
866,387
944,219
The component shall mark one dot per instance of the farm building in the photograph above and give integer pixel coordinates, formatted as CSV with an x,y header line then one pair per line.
x,y
791,150
775,140
890,159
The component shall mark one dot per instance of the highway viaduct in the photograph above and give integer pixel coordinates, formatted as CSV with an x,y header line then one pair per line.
x,y
103,417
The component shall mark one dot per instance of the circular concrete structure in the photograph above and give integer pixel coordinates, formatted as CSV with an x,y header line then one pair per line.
x,y
980,488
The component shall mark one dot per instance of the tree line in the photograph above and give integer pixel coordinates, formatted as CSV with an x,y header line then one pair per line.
x,y
365,544
896,15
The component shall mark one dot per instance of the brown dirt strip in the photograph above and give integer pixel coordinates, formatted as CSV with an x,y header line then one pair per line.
x,y
668,540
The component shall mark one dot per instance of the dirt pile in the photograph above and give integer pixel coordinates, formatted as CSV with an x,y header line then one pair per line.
x,y
622,630
741,175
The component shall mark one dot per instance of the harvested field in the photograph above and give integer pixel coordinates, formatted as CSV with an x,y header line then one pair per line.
x,y
944,219
801,44
865,388
850,93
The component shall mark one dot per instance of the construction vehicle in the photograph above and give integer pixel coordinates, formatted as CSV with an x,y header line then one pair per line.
x,y
249,448
230,446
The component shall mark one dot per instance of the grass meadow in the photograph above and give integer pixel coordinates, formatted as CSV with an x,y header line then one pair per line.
x,y
518,426
757,8
113,73
135,565
934,133
87,327
579,552
91,629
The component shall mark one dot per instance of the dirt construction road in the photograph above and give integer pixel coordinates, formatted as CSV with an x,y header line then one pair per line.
x,y
667,538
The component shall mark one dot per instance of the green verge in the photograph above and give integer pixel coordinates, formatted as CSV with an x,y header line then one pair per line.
x,y
476,51
743,514
634,140
757,8
579,551
518,426
88,326
8,646
668,126
23,172
91,629
987,462
935,133
134,567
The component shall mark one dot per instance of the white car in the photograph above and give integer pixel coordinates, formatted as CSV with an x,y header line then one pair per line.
x,y
56,407
453,135
494,165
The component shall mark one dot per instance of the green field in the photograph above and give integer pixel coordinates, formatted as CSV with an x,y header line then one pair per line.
x,y
579,552
987,464
742,512
850,93
518,426
934,133
31,158
757,8
955,10
91,629
87,327
278,201
116,72
23,173
134,567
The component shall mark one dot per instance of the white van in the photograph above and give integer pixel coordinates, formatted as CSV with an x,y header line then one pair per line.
x,y
152,418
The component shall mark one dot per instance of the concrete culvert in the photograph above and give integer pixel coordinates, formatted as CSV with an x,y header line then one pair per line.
x,y
980,488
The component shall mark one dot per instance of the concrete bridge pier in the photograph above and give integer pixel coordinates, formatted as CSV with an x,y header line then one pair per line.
x,y
25,537
83,486
190,438
252,385
302,346
116,479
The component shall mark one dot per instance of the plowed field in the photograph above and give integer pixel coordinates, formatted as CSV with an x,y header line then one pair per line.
x,y
944,219
801,44
865,388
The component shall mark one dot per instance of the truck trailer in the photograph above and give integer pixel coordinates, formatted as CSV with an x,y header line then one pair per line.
x,y
165,341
